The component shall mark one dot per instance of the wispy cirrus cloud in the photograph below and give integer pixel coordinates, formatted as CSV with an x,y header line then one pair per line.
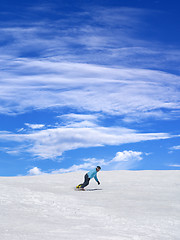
x,y
80,120
175,147
52,143
127,92
105,36
34,126
174,165
73,64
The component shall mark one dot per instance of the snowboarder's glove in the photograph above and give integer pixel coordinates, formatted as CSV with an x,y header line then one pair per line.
x,y
98,182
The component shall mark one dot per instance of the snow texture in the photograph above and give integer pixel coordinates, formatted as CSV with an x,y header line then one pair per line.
x,y
128,205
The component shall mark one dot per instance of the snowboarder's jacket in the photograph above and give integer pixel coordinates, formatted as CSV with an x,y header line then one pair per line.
x,y
93,174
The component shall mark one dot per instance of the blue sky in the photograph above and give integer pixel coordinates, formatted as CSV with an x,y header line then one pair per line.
x,y
86,83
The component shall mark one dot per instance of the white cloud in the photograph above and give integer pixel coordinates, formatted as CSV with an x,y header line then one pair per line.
x,y
174,165
79,120
35,126
126,156
125,160
122,161
80,117
175,147
35,171
131,93
51,143
105,36
74,168
58,78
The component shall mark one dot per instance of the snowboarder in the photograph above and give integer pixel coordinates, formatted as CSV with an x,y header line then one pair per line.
x,y
88,176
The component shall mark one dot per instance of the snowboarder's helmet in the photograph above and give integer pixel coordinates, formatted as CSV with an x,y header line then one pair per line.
x,y
98,167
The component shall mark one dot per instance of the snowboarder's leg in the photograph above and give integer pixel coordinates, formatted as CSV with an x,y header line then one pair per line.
x,y
86,181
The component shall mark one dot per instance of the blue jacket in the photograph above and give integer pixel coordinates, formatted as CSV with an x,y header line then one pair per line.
x,y
93,174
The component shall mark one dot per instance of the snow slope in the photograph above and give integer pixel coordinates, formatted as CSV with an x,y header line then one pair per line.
x,y
127,205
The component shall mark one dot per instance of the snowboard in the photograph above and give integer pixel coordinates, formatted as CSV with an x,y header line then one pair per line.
x,y
79,189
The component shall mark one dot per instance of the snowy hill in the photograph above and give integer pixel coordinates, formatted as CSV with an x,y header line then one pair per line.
x,y
126,206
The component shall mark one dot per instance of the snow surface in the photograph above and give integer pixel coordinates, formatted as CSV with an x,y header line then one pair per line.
x,y
132,205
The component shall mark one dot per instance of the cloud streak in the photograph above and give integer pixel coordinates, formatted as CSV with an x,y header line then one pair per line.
x,y
51,143
129,92
76,65
175,147
105,36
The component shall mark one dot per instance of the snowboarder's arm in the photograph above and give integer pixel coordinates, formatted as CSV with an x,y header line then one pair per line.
x,y
95,177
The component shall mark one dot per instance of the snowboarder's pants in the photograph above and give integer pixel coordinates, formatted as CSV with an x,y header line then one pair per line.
x,y
86,181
